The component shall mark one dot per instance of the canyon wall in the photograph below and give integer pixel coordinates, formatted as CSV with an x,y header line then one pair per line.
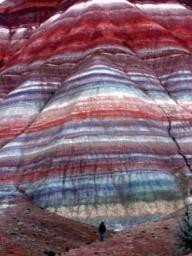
x,y
95,107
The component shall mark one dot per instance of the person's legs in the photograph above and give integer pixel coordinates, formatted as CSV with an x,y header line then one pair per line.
x,y
101,236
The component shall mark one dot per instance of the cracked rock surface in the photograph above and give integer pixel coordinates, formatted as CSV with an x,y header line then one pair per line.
x,y
95,107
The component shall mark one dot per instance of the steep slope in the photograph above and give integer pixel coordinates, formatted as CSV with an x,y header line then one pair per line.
x,y
96,107
28,230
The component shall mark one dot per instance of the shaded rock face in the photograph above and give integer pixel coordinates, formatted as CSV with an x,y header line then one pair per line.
x,y
95,100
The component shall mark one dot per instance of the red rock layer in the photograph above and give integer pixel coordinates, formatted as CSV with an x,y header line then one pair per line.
x,y
96,106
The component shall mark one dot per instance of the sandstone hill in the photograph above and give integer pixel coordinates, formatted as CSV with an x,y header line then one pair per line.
x,y
96,108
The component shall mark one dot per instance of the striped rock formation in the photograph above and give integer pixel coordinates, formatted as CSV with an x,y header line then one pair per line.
x,y
95,100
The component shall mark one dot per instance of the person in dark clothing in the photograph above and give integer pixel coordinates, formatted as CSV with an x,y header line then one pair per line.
x,y
102,230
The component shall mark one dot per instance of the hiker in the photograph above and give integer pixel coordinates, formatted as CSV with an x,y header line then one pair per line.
x,y
102,230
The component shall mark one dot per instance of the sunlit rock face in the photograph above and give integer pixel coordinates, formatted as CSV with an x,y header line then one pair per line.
x,y
95,100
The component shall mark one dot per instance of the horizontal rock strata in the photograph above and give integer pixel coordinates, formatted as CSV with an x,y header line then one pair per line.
x,y
96,111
